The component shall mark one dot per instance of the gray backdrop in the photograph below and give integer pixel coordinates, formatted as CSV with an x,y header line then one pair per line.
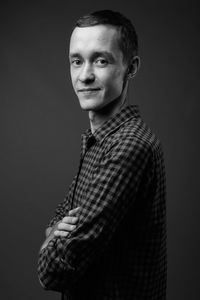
x,y
41,123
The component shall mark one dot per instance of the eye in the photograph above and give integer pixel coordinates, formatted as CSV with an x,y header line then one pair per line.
x,y
76,62
102,62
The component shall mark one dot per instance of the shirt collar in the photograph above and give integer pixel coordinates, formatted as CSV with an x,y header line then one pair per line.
x,y
126,113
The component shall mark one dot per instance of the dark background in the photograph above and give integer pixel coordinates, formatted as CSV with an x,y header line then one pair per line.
x,y
41,123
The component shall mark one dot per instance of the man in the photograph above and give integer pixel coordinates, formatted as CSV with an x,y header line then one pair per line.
x,y
107,239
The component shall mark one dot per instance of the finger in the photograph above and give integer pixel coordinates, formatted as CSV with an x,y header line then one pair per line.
x,y
60,233
66,227
48,231
74,212
69,220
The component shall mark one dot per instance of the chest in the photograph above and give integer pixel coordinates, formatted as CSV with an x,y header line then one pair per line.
x,y
88,169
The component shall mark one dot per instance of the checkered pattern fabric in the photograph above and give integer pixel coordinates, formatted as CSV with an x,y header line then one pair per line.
x,y
118,250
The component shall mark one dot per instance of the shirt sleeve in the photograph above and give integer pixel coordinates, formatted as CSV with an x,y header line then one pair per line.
x,y
110,194
59,212
63,208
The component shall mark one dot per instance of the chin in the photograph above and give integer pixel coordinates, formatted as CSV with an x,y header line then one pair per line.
x,y
88,105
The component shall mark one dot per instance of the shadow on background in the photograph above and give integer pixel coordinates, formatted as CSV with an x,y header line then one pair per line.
x,y
41,124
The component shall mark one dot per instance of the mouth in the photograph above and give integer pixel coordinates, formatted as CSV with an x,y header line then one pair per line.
x,y
89,90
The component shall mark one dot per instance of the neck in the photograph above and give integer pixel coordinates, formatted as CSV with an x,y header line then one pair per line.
x,y
97,118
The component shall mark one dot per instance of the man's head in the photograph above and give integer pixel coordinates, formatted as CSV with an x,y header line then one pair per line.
x,y
103,56
127,38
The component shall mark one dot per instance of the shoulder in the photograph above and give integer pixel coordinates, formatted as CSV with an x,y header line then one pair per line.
x,y
132,137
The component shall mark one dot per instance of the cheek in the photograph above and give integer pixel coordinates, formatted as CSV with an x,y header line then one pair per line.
x,y
73,78
114,82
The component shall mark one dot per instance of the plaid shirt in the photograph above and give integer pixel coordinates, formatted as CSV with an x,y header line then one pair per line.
x,y
118,249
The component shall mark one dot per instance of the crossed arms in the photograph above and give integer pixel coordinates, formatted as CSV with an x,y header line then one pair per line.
x,y
76,240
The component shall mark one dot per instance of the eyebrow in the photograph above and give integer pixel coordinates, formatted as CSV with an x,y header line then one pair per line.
x,y
94,55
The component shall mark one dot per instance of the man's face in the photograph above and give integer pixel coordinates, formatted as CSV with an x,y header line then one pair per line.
x,y
96,66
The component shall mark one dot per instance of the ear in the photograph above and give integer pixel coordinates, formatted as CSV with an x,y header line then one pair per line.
x,y
133,67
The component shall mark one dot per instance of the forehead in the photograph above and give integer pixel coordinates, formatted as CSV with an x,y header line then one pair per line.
x,y
94,38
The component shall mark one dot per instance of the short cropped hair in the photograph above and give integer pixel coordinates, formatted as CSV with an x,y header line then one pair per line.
x,y
128,41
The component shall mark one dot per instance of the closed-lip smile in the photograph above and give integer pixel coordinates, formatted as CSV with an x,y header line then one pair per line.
x,y
89,90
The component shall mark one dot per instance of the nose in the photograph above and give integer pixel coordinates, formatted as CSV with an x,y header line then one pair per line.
x,y
86,73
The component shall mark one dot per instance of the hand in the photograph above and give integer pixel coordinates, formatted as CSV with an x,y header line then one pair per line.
x,y
67,224
63,227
